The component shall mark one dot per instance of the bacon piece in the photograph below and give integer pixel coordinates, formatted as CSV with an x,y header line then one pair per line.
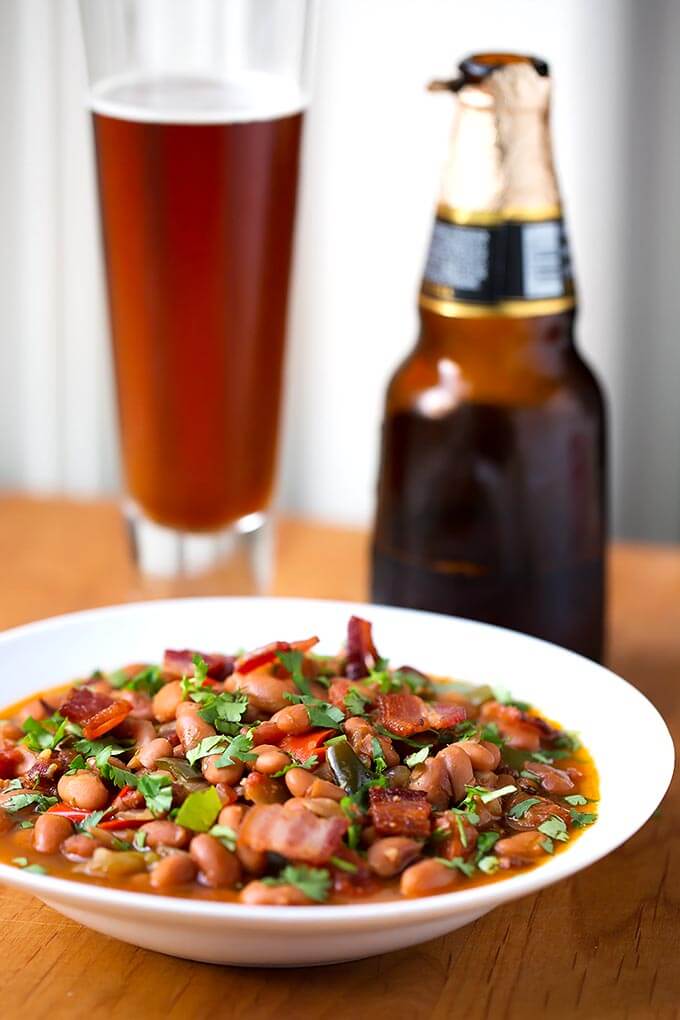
x,y
9,759
263,656
400,812
340,688
297,835
83,704
46,771
362,654
179,663
404,714
107,719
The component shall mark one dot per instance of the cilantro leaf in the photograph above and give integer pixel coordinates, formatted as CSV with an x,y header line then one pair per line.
x,y
224,711
44,735
547,845
226,835
309,763
156,788
582,818
418,756
457,863
554,828
200,810
519,810
146,681
321,713
343,865
23,799
378,757
488,864
93,819
209,745
93,748
292,662
239,748
22,862
576,799
355,701
313,882
485,842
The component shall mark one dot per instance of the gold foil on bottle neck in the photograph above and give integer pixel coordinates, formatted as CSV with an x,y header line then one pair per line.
x,y
500,162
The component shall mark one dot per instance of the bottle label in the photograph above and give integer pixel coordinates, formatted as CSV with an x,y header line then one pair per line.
x,y
510,266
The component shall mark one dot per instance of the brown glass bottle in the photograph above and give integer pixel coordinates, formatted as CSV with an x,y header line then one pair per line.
x,y
491,496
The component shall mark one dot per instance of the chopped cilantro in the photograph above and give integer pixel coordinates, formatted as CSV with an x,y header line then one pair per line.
x,y
342,865
199,810
226,835
309,763
554,828
321,713
582,818
93,748
76,764
457,863
485,842
23,799
156,788
94,818
292,662
489,864
520,809
505,698
378,757
22,862
147,681
418,756
576,799
139,841
355,701
547,844
223,711
209,745
44,735
313,882
239,748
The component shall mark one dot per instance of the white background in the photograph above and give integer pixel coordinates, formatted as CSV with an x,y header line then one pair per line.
x,y
374,147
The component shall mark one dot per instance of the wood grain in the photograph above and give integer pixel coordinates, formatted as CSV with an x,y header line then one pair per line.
x,y
603,945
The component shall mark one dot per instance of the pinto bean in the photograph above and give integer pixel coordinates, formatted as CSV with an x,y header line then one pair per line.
x,y
387,857
191,729
265,693
294,719
83,789
166,701
78,847
399,777
484,755
260,789
271,761
218,867
459,768
10,731
267,733
261,895
155,749
49,833
523,844
551,779
427,877
322,788
142,731
176,869
141,704
228,774
324,807
254,861
165,833
231,816
298,781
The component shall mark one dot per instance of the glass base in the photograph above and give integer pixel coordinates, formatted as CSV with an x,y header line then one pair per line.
x,y
237,560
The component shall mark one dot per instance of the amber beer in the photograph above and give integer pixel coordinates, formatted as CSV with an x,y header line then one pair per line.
x,y
197,211
491,500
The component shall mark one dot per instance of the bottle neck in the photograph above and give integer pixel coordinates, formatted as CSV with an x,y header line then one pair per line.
x,y
499,245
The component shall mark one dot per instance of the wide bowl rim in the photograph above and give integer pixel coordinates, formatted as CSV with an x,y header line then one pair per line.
x,y
591,846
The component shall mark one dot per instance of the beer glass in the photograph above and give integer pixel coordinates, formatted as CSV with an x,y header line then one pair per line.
x,y
197,108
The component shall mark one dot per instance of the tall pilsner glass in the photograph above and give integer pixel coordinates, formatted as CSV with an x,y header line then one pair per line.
x,y
198,108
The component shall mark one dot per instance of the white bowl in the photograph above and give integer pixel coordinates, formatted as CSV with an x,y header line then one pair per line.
x,y
606,711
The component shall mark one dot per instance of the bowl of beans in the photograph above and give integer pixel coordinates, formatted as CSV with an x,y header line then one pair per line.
x,y
290,781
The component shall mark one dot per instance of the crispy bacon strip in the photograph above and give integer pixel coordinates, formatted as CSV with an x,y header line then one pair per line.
x,y
362,654
297,835
263,656
82,704
179,663
400,812
404,714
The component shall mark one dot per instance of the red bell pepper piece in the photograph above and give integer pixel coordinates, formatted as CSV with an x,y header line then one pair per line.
x,y
262,656
303,745
73,814
122,823
107,719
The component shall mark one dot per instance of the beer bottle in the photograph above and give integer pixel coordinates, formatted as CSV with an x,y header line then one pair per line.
x,y
491,494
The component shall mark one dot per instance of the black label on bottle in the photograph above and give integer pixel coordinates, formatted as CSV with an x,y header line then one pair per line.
x,y
488,264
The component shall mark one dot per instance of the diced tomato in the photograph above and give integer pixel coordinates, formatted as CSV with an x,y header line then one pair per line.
x,y
302,746
106,720
263,656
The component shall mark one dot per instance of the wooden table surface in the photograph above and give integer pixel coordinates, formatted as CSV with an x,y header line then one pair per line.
x,y
604,944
